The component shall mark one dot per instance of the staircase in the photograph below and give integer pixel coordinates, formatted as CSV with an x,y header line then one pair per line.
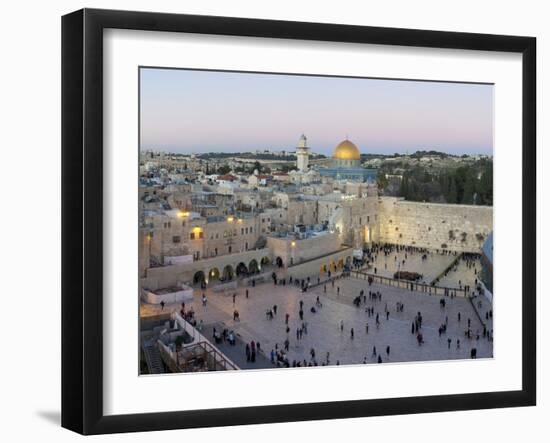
x,y
152,357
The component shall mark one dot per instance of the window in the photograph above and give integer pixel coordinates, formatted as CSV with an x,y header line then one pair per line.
x,y
176,239
229,249
201,234
192,236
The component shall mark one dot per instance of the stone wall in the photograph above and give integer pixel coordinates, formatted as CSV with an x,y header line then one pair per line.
x,y
172,275
437,226
185,293
293,252
319,267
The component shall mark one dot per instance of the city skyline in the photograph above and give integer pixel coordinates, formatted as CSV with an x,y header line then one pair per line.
x,y
189,111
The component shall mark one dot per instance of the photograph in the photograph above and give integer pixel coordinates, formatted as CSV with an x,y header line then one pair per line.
x,y
296,221
251,221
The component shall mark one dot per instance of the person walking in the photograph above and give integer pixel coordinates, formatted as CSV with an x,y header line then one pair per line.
x,y
352,333
252,351
247,352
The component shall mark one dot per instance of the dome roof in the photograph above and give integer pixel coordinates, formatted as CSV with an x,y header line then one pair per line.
x,y
346,150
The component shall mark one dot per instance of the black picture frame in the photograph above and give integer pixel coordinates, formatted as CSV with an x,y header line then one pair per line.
x,y
82,218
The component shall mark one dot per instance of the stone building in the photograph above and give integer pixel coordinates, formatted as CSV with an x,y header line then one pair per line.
x,y
217,230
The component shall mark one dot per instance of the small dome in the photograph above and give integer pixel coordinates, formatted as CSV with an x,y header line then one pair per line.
x,y
346,150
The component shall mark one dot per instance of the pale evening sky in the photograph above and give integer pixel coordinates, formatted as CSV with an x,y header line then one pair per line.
x,y
188,111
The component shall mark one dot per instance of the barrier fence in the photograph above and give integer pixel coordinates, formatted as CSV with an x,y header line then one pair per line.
x,y
410,285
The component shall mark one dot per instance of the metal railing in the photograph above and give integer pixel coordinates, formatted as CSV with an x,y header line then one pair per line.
x,y
410,285
202,356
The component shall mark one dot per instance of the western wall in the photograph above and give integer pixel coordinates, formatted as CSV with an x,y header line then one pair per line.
x,y
462,228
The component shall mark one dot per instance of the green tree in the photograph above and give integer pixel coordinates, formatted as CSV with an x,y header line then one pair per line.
x,y
469,188
224,169
453,194
404,188
382,181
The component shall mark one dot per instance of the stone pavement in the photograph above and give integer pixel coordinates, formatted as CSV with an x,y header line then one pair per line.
x,y
236,352
324,333
435,264
461,275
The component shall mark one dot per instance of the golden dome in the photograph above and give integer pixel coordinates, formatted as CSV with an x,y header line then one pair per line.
x,y
346,150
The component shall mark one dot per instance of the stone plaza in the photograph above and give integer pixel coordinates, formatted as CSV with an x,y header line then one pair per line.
x,y
329,327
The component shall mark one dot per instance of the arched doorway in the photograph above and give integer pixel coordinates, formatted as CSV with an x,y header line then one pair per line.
x,y
227,273
213,274
198,278
367,234
323,269
253,267
279,262
265,261
341,263
241,269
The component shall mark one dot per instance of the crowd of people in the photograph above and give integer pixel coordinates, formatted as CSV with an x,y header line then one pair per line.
x,y
288,350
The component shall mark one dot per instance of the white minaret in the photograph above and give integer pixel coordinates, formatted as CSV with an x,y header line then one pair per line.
x,y
302,154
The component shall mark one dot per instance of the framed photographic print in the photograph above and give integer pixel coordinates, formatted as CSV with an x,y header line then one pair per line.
x,y
269,221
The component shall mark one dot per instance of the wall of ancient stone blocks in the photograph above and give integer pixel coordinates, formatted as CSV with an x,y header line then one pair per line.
x,y
432,225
